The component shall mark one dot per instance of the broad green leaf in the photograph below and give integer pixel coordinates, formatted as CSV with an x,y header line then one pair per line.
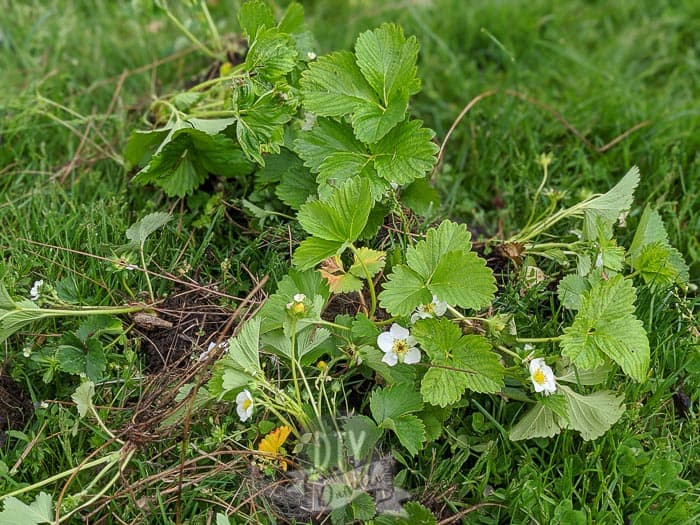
x,y
82,397
404,291
394,401
260,127
406,153
606,208
187,156
222,519
333,86
361,436
253,15
372,358
362,508
650,230
449,284
570,290
141,229
313,250
185,100
557,404
373,260
271,55
437,337
296,187
15,512
292,21
372,123
326,139
413,513
71,360
659,265
309,339
443,387
388,61
538,422
605,326
342,216
95,360
210,126
142,145
459,362
582,377
447,237
612,256
97,325
409,429
433,418
421,197
244,348
594,414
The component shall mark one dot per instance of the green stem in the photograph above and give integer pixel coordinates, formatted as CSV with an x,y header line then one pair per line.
x,y
539,339
43,313
337,326
537,195
386,321
204,49
102,492
212,26
103,426
509,352
536,229
293,358
106,459
370,282
145,272
236,73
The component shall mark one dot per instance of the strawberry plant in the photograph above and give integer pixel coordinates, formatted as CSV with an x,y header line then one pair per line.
x,y
388,326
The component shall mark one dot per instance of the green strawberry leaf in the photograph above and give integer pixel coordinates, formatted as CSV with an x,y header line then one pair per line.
x,y
388,61
342,216
605,326
394,401
253,15
594,414
406,153
606,209
538,422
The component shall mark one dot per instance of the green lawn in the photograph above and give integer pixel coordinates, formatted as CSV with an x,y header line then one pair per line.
x,y
601,86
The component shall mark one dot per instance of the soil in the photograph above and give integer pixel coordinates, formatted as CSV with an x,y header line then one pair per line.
x,y
15,405
186,323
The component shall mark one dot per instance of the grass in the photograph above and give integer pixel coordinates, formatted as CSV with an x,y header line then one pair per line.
x,y
77,79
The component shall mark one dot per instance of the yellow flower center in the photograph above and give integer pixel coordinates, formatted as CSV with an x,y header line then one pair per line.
x,y
538,377
429,308
400,347
298,308
246,404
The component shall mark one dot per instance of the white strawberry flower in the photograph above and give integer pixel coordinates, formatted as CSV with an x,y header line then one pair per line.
x,y
435,308
398,346
35,292
542,377
244,405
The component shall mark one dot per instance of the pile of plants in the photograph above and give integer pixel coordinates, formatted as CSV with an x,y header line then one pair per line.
x,y
392,325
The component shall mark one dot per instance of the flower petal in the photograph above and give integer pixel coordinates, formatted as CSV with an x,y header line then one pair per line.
x,y
412,356
242,396
385,341
390,358
398,331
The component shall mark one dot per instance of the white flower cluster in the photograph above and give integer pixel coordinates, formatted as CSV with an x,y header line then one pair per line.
x,y
398,345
